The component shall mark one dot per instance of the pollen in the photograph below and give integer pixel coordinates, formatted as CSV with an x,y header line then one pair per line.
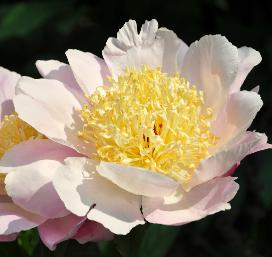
x,y
13,131
151,120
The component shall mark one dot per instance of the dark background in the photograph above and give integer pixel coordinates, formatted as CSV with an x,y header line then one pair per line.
x,y
46,29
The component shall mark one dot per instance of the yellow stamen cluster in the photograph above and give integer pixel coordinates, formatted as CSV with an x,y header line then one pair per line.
x,y
13,131
151,120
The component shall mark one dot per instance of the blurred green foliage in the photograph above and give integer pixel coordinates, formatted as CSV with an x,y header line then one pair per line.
x,y
32,30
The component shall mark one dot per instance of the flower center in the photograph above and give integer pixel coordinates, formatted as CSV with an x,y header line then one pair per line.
x,y
12,132
151,120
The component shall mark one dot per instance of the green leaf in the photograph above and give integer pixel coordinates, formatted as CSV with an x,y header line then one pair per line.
x,y
23,18
157,241
61,249
107,249
74,249
151,240
28,240
266,190
10,249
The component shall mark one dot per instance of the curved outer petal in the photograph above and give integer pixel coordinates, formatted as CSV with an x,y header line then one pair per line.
x,y
14,219
31,166
81,188
136,180
262,144
205,199
211,64
53,69
89,70
248,58
8,81
8,238
152,46
58,230
174,51
92,231
218,164
52,110
237,115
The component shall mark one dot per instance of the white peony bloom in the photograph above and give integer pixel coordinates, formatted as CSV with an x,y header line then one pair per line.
x,y
160,126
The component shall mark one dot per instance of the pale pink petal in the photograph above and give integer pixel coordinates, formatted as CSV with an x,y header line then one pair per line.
x,y
211,64
8,81
89,70
137,180
14,219
231,171
58,230
220,163
31,166
152,46
82,189
92,231
53,69
237,115
8,238
248,58
205,199
260,146
52,110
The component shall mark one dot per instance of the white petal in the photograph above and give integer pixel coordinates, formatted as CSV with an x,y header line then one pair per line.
x,y
53,69
152,46
211,64
174,51
237,115
31,166
81,188
136,180
89,70
8,81
218,164
248,58
203,200
13,219
52,110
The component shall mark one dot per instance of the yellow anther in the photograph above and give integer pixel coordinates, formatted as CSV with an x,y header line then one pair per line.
x,y
149,119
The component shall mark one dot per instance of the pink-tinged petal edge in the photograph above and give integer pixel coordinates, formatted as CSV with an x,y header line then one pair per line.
x,y
8,238
14,219
8,81
62,72
27,183
220,163
58,230
205,199
92,231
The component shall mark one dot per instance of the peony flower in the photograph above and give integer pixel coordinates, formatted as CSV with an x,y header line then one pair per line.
x,y
28,162
160,126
